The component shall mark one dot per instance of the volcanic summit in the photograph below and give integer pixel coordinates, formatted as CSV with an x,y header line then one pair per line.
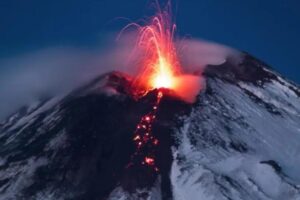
x,y
238,140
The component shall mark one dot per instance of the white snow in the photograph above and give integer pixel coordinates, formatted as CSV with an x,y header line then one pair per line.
x,y
210,168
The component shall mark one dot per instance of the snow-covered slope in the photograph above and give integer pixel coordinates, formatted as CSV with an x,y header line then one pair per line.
x,y
240,140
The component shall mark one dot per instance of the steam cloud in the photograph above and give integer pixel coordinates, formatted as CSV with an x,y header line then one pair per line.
x,y
52,71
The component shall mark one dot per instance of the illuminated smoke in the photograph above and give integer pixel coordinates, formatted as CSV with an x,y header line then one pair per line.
x,y
160,69
52,71
159,64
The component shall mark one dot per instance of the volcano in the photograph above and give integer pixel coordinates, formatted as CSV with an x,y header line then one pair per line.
x,y
239,140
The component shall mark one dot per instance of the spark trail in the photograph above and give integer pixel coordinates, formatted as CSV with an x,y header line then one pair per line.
x,y
160,65
160,70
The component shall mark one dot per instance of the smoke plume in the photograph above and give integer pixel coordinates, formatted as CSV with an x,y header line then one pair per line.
x,y
48,72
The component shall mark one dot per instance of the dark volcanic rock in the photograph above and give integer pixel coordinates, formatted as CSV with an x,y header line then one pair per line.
x,y
240,140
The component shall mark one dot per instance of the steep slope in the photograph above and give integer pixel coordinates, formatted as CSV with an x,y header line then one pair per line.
x,y
240,140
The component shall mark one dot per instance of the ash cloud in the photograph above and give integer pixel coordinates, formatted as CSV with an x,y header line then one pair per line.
x,y
53,71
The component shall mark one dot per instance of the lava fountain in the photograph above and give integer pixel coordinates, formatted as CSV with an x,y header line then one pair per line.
x,y
160,70
159,63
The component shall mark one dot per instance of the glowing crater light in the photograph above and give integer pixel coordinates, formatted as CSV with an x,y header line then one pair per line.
x,y
163,76
159,67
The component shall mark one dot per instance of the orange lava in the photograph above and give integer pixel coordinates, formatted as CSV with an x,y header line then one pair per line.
x,y
160,63
149,160
160,68
144,141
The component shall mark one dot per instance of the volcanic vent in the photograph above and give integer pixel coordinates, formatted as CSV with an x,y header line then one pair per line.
x,y
160,74
130,140
152,136
80,146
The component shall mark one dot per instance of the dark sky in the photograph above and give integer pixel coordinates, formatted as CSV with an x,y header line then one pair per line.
x,y
268,29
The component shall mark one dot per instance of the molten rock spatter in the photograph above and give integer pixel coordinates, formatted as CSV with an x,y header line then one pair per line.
x,y
158,61
144,140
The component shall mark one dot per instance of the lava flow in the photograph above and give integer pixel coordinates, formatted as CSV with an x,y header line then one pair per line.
x,y
159,68
144,141
160,71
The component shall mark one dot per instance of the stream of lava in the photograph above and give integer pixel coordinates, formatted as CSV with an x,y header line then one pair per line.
x,y
143,139
160,70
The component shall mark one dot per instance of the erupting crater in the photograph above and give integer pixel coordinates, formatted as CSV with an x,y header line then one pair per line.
x,y
160,70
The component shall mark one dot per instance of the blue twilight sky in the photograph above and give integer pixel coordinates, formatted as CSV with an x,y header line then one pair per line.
x,y
268,29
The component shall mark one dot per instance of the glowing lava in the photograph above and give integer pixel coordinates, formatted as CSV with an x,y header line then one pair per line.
x,y
164,77
143,139
160,69
159,62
